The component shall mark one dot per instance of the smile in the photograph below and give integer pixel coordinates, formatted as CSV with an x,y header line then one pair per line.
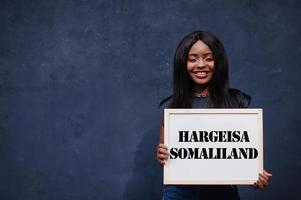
x,y
201,74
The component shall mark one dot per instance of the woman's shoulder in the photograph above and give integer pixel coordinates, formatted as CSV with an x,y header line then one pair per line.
x,y
165,102
242,99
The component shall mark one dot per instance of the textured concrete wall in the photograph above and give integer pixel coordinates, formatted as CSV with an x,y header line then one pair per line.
x,y
80,83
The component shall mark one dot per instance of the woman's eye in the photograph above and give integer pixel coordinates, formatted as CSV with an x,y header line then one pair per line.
x,y
209,59
191,60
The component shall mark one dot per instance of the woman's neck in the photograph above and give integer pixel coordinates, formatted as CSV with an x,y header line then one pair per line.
x,y
201,90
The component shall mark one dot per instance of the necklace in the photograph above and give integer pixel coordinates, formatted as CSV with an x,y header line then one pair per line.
x,y
201,95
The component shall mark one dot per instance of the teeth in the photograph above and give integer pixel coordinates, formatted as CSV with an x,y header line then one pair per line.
x,y
201,73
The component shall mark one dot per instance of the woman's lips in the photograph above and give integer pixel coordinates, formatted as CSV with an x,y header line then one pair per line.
x,y
201,74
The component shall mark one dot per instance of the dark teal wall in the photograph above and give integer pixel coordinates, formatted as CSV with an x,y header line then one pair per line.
x,y
80,83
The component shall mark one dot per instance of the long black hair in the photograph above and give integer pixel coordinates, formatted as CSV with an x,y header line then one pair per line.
x,y
183,86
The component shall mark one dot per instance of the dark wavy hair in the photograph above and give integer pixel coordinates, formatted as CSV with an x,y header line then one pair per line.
x,y
183,86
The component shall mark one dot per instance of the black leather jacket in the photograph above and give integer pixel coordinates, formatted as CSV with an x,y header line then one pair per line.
x,y
238,99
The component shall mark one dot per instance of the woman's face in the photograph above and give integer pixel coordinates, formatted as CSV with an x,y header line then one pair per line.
x,y
200,63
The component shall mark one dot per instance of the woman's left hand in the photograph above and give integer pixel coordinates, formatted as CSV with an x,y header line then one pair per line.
x,y
263,180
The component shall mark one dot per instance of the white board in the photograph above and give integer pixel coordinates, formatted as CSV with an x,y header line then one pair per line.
x,y
209,169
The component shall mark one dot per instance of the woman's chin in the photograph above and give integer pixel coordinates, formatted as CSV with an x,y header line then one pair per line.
x,y
201,81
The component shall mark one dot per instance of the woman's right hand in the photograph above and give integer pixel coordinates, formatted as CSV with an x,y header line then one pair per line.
x,y
162,154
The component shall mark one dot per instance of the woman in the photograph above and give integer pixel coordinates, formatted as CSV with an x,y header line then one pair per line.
x,y
200,80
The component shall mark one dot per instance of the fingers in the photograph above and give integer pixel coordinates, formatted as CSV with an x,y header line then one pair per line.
x,y
162,146
162,162
162,151
263,180
267,173
258,185
265,177
162,154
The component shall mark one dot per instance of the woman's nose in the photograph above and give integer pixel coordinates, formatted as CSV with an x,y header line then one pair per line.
x,y
201,63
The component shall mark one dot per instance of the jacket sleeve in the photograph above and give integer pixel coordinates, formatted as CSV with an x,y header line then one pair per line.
x,y
243,100
164,104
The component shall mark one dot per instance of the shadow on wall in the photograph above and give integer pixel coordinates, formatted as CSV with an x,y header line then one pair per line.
x,y
146,181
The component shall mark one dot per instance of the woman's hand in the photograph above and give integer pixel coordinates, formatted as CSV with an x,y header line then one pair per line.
x,y
263,180
162,154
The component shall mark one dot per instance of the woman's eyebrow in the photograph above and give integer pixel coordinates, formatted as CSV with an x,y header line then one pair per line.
x,y
207,54
196,54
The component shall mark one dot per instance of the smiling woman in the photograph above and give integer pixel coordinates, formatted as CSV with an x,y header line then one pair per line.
x,y
200,64
201,69
201,81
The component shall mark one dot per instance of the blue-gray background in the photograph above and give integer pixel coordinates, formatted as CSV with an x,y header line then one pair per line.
x,y
80,84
